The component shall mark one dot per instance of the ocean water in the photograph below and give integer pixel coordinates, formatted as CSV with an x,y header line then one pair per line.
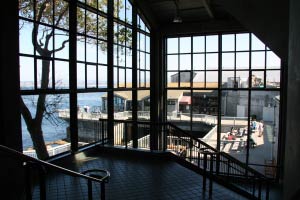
x,y
56,130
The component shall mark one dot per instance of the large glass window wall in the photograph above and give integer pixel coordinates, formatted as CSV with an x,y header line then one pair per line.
x,y
47,72
226,82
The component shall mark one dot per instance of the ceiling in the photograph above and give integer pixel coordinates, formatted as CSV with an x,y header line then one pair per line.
x,y
163,12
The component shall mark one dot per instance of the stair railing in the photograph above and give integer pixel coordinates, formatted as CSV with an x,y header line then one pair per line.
x,y
223,165
32,164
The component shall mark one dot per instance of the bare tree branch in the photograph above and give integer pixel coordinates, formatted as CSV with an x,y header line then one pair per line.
x,y
62,46
41,43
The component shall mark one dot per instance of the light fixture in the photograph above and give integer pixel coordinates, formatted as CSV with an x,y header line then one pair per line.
x,y
177,18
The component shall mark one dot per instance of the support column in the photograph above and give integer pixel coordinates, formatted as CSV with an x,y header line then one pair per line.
x,y
73,76
134,77
291,182
110,71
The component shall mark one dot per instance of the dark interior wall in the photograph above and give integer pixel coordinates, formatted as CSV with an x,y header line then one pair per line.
x,y
10,133
267,19
291,182
9,77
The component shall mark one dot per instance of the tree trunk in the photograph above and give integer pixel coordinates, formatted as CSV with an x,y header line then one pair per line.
x,y
37,137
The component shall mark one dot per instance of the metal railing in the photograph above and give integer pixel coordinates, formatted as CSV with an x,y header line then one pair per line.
x,y
32,165
130,134
253,184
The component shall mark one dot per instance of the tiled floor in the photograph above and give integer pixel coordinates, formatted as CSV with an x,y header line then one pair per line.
x,y
133,178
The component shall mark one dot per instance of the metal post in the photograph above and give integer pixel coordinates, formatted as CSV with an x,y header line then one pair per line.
x,y
267,190
259,188
102,131
102,190
204,174
90,190
42,183
126,135
27,181
211,167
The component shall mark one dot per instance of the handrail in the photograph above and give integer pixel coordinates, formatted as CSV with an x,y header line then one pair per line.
x,y
26,158
222,165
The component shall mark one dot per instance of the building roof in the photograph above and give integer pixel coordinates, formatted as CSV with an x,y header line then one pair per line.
x,y
127,95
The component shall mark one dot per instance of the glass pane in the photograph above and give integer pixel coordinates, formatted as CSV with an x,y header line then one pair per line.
x,y
25,37
173,96
80,76
26,73
242,42
80,48
148,44
172,45
273,61
102,5
228,60
234,124
173,79
258,60
80,24
142,60
91,51
143,104
102,52
228,79
212,43
185,44
228,42
91,108
61,13
91,76
199,44
128,12
46,41
102,27
121,57
44,68
122,82
198,80
128,78
61,41
257,44
61,75
172,63
211,79
273,79
242,78
102,76
242,60
185,62
147,61
258,79
198,61
212,61
91,20
129,58
185,79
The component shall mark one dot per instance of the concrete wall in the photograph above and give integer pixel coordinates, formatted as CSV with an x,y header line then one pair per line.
x,y
291,182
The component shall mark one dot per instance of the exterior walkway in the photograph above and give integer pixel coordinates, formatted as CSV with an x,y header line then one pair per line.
x,y
133,177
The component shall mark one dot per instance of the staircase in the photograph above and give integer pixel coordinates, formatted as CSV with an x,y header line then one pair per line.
x,y
217,166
